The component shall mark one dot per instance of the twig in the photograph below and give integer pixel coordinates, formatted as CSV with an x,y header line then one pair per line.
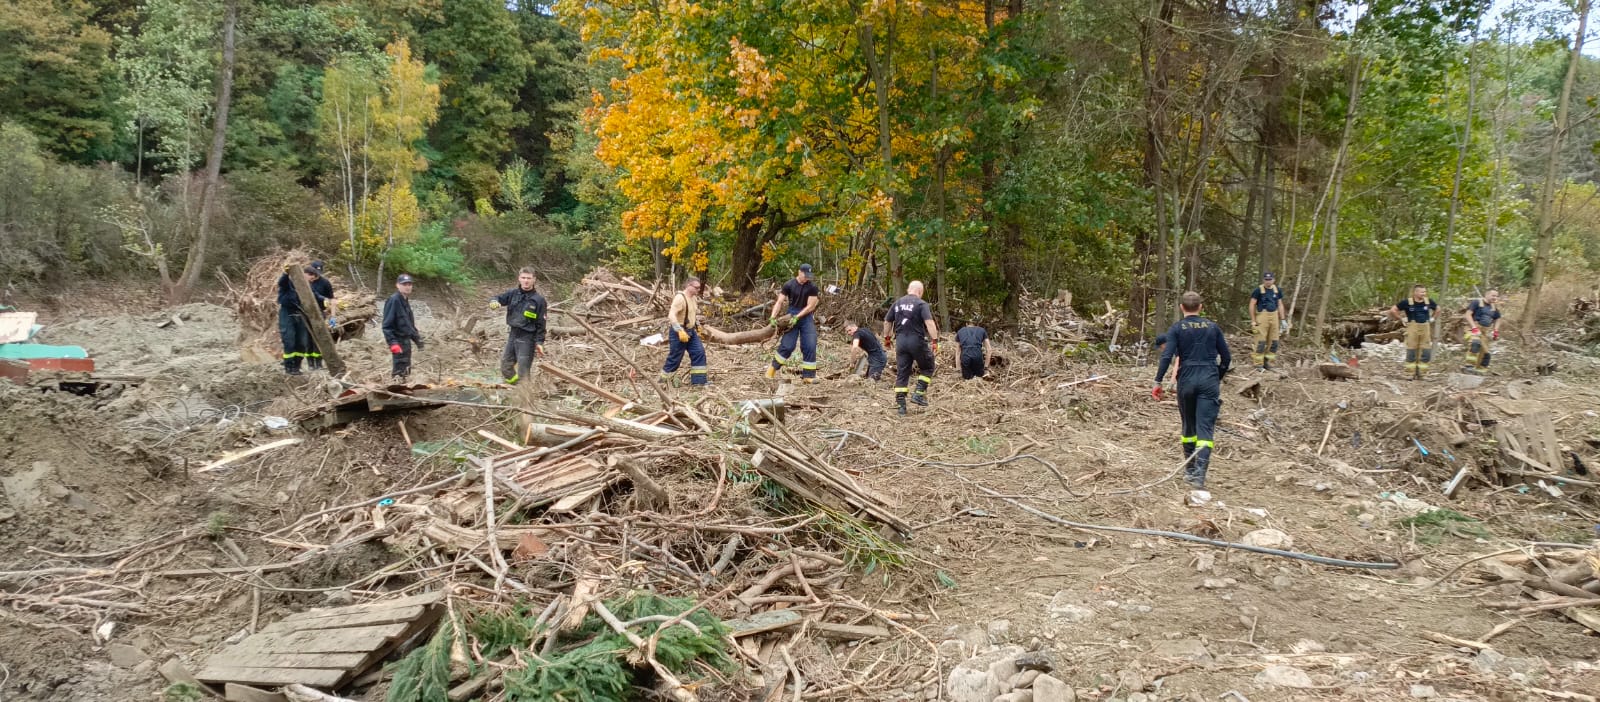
x,y
674,686
666,400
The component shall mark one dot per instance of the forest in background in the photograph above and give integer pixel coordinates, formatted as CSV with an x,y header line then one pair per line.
x,y
1124,151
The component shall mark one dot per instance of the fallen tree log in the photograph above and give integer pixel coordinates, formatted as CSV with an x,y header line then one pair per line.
x,y
1338,371
717,336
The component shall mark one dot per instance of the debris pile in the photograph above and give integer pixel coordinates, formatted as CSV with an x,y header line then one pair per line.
x,y
255,301
1053,321
1564,580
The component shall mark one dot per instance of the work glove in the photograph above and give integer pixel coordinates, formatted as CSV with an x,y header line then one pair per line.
x,y
1495,335
494,304
794,319
773,322
1475,330
420,345
1156,393
1283,326
935,348
333,323
683,335
394,348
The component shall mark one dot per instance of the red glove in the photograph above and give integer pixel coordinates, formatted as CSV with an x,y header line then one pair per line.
x,y
394,348
1476,330
1156,393
1495,335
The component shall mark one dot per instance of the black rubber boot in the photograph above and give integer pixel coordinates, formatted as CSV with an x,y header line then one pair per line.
x,y
900,403
1195,475
919,395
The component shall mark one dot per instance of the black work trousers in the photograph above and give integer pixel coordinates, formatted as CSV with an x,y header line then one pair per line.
x,y
517,358
1199,401
402,360
909,350
971,364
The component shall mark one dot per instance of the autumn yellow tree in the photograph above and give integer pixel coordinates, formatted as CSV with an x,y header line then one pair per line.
x,y
401,112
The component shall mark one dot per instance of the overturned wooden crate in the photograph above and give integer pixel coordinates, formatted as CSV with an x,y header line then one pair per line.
x,y
324,648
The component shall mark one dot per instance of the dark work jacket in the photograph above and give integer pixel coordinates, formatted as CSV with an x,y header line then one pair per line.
x,y
524,311
287,297
398,322
907,316
323,290
1197,342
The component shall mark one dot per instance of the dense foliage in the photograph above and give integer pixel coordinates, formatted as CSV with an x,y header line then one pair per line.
x,y
1124,151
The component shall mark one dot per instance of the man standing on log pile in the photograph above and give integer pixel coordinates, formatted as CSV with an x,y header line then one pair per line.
x,y
1418,311
974,343
525,316
862,342
400,327
292,329
323,291
799,297
1265,320
1199,344
684,319
911,321
1483,327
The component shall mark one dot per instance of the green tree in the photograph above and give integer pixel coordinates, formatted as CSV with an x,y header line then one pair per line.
x,y
56,76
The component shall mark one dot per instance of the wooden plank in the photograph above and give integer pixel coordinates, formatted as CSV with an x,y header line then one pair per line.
x,y
315,322
348,640
426,598
315,677
246,658
1544,428
1536,465
575,500
352,619
241,455
234,692
584,384
763,622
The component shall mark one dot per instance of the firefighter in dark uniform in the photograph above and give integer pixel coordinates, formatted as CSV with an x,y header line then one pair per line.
x,y
323,291
864,343
1266,320
974,343
1199,344
525,316
1418,311
1483,328
798,298
911,322
292,329
400,326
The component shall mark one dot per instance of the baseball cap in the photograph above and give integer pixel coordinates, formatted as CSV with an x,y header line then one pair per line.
x,y
805,268
1267,276
318,265
403,279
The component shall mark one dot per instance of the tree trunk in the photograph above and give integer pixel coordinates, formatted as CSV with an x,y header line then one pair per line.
x,y
879,70
747,241
1153,64
1338,188
1547,195
1461,161
196,261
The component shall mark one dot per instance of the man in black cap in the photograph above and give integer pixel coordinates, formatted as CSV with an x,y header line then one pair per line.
x,y
400,326
323,291
1266,321
525,316
799,296
292,329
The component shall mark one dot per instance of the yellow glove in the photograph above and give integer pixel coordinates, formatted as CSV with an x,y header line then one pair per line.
x,y
494,304
683,335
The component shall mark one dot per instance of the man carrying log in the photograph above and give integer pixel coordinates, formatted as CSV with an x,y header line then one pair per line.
x,y
400,327
1418,311
1483,328
911,321
1266,321
323,291
864,343
799,297
683,318
292,329
525,317
1198,343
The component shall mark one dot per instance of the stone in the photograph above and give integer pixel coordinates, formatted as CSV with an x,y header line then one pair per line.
x,y
338,598
1491,661
953,649
1282,582
1284,676
1304,646
1183,650
1017,696
1140,697
1462,381
175,672
124,655
1062,607
1218,583
983,678
1042,660
1046,688
1024,679
999,631
1423,692
1268,538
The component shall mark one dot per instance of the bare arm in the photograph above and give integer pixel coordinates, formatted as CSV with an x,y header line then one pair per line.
x,y
778,305
933,331
1394,312
988,354
811,304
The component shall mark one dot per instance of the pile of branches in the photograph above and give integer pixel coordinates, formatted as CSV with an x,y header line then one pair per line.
x,y
1054,322
1564,580
255,301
